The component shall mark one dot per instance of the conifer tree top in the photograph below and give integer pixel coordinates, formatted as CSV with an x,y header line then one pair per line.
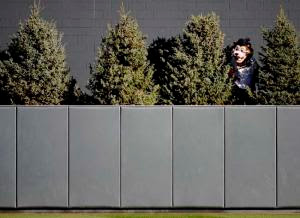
x,y
35,9
34,70
121,73
280,58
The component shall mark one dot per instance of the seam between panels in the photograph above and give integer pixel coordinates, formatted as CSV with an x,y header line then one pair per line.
x,y
68,149
120,156
224,160
16,156
172,155
276,157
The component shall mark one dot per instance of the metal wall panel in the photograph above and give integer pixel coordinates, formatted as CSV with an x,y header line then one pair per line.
x,y
42,164
94,156
146,157
198,156
288,156
7,157
250,145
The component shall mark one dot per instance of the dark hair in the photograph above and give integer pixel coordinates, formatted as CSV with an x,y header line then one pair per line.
x,y
244,42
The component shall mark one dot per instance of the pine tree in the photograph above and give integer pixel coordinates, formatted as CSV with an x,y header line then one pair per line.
x,y
122,74
160,54
195,71
33,68
279,77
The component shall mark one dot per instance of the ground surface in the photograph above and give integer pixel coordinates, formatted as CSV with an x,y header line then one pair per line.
x,y
150,215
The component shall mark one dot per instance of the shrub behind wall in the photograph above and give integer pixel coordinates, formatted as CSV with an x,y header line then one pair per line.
x,y
122,74
195,72
279,77
33,68
189,68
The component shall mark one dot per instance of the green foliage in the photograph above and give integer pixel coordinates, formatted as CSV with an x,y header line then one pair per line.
x,y
75,96
279,77
33,68
195,72
161,56
122,74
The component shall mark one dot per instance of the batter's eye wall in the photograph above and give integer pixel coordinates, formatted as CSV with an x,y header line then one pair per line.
x,y
83,22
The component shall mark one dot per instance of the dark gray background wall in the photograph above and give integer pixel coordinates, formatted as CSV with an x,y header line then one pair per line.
x,y
84,21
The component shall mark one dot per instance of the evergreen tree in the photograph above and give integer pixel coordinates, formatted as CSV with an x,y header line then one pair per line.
x,y
279,77
160,54
75,96
195,71
33,68
122,74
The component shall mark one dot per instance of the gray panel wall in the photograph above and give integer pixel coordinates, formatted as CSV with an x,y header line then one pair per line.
x,y
83,22
42,165
198,140
94,156
7,157
250,154
146,157
166,160
288,154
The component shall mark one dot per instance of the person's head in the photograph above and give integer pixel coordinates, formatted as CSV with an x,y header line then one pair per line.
x,y
242,51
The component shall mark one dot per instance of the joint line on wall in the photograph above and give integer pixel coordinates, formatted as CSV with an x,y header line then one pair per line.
x,y
68,148
172,155
16,156
224,159
120,158
276,157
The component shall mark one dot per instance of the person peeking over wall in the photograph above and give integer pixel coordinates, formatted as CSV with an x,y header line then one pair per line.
x,y
244,72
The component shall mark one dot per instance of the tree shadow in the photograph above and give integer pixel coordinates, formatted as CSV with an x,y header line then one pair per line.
x,y
161,54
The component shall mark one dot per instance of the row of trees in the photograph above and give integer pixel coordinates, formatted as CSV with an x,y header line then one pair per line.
x,y
190,68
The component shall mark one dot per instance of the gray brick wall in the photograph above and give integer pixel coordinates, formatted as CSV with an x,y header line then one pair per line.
x,y
83,22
